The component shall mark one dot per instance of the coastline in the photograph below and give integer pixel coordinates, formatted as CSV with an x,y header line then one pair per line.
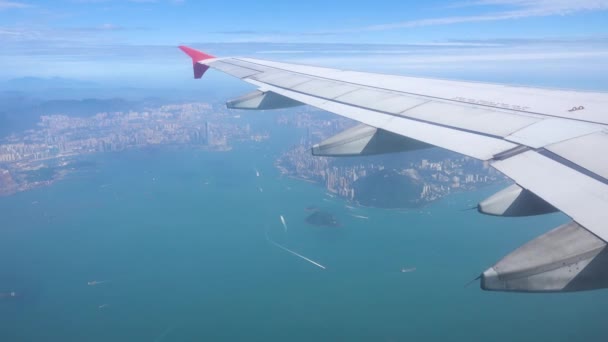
x,y
303,179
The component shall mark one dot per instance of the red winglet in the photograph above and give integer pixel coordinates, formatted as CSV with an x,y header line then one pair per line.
x,y
197,56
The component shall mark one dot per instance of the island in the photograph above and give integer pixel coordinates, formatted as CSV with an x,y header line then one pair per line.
x,y
322,219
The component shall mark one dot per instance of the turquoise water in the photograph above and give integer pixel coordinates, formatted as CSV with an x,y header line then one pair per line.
x,y
179,236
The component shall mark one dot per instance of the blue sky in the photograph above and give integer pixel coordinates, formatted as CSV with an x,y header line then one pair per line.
x,y
131,41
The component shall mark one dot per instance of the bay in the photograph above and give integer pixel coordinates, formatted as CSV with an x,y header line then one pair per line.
x,y
179,236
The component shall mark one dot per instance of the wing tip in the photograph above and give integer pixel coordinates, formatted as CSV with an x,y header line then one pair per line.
x,y
196,55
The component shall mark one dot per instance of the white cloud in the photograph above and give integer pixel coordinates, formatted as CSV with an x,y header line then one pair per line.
x,y
109,27
8,34
514,9
467,60
487,11
12,4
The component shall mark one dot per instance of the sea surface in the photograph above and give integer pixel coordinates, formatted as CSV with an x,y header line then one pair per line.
x,y
177,239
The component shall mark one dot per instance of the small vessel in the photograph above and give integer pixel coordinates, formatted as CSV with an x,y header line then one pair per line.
x,y
8,294
96,282
408,270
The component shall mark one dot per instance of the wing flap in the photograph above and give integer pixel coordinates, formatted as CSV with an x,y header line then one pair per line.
x,y
235,70
550,131
325,89
577,195
370,98
282,79
587,151
482,120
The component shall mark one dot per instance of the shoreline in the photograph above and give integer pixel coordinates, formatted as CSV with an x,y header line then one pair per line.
x,y
67,159
304,179
422,205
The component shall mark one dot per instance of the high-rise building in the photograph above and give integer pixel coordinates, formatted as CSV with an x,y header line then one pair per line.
x,y
208,137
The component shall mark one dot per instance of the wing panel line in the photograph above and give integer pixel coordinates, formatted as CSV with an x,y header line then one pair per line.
x,y
389,113
428,96
555,157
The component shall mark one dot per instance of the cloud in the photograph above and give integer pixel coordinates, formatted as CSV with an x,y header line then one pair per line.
x,y
33,35
567,63
547,5
486,11
15,34
509,10
99,28
458,60
244,32
107,27
12,5
174,2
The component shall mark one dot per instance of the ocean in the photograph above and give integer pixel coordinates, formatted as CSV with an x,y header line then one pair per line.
x,y
176,239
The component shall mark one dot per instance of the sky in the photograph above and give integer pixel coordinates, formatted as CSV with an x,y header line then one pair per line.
x,y
134,42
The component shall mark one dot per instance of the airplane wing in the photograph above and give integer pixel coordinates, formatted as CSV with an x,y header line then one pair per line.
x,y
552,143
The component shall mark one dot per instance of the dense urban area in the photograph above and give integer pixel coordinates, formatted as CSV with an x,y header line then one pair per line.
x,y
434,178
46,154
58,139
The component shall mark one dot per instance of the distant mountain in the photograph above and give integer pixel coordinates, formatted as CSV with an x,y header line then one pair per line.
x,y
83,108
39,83
23,100
19,112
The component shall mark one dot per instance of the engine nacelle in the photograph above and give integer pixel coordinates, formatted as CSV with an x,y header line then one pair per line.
x,y
259,100
514,201
567,258
364,140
